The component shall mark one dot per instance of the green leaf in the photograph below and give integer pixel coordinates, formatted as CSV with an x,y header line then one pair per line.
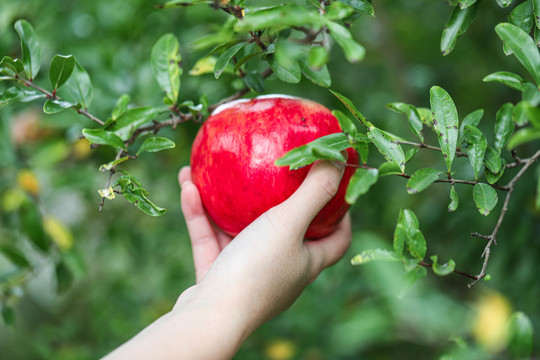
x,y
533,114
530,94
14,255
64,277
361,120
31,52
10,66
492,160
326,147
485,198
286,69
362,149
206,65
338,11
167,65
519,336
53,106
407,232
138,196
103,137
32,225
61,69
509,79
523,47
108,166
445,122
504,126
454,200
225,58
389,168
477,148
155,144
362,6
387,146
278,18
121,106
370,255
522,16
442,269
254,81
360,183
504,3
132,119
319,77
79,86
346,123
352,50
536,11
522,136
463,4
471,119
17,94
318,56
492,177
422,179
409,154
457,25
410,111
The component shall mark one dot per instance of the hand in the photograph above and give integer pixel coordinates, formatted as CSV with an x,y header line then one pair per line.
x,y
268,264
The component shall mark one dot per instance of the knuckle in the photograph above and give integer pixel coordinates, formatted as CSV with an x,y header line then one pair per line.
x,y
328,186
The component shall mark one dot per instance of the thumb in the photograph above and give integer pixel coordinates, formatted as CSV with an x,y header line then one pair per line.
x,y
319,187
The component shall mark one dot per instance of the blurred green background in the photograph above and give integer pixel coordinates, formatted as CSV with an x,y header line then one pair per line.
x,y
129,268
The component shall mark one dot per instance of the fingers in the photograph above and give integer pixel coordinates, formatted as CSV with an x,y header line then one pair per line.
x,y
328,250
204,242
320,185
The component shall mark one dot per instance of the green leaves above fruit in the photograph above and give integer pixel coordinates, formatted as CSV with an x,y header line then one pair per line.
x,y
167,66
31,52
445,123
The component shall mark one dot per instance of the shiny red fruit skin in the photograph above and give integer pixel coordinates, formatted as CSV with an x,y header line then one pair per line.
x,y
233,154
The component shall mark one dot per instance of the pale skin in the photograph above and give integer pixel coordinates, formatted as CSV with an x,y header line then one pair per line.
x,y
243,283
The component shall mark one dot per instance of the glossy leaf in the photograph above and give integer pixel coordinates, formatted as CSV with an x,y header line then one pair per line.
x,y
442,269
79,86
445,123
61,69
31,52
319,77
519,336
166,65
362,149
131,119
286,69
387,146
389,168
407,233
454,200
413,117
485,198
362,6
346,123
457,25
103,137
138,196
225,58
370,255
155,144
533,114
492,177
326,147
352,50
504,126
477,148
422,179
523,47
492,160
254,81
11,66
279,17
507,78
360,183
523,136
52,106
522,16
361,120
17,94
121,106
471,119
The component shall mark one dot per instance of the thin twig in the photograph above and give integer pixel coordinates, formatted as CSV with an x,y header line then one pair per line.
x,y
493,237
109,179
426,146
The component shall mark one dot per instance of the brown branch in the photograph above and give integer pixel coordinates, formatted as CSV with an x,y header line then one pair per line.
x,y
492,239
425,146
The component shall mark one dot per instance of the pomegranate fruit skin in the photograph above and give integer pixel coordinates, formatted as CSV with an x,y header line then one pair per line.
x,y
233,154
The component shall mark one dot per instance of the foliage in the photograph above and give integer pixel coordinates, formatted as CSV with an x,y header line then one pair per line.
x,y
103,97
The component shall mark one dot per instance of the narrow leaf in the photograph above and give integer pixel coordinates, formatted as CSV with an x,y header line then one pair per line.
x,y
459,22
422,179
155,144
408,232
31,52
442,269
413,117
520,137
352,50
504,126
347,125
14,255
319,77
361,120
108,166
121,106
445,122
477,148
485,198
103,137
166,65
454,200
509,79
387,146
360,183
523,47
61,69
370,255
225,58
